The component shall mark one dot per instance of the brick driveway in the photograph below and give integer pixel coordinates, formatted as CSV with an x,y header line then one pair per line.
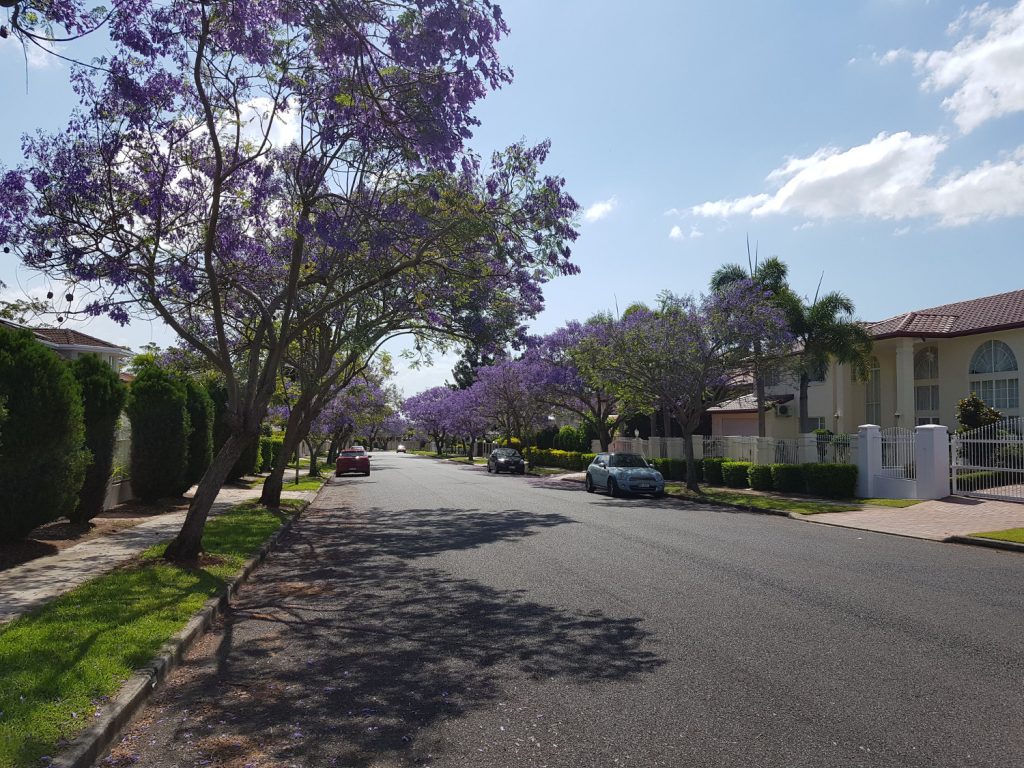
x,y
936,520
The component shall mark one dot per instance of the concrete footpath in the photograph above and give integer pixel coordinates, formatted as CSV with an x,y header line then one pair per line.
x,y
27,586
933,520
939,520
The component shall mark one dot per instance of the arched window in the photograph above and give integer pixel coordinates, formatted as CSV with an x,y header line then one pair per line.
x,y
873,394
926,385
993,375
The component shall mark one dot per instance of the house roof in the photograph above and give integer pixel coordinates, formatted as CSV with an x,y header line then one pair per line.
x,y
66,337
748,403
962,318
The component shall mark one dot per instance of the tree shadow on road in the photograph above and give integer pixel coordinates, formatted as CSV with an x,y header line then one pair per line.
x,y
344,647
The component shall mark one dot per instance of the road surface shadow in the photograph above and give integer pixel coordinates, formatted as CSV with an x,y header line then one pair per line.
x,y
344,648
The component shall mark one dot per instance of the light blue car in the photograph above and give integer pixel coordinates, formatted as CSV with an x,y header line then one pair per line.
x,y
620,473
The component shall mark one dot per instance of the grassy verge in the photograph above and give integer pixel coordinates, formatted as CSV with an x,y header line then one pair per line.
x,y
549,471
58,664
784,504
465,460
1012,534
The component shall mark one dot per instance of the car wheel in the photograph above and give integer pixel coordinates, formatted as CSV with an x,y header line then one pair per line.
x,y
613,487
366,473
590,483
522,471
488,467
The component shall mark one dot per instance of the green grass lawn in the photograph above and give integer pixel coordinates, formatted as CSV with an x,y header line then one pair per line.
x,y
465,460
59,663
549,471
1011,534
802,506
306,483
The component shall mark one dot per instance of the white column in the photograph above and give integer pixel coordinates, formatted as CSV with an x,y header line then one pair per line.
x,y
869,459
931,457
905,384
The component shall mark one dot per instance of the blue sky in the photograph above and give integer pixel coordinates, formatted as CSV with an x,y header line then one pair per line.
x,y
874,145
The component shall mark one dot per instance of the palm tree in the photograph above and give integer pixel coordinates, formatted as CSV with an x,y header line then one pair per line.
x,y
825,330
770,275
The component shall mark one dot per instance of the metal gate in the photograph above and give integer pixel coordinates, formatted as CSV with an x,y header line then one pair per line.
x,y
988,462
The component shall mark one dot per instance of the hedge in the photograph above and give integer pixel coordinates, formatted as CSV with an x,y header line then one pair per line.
x,y
157,407
572,460
42,459
103,398
270,449
833,481
788,478
759,476
713,470
200,441
675,469
734,473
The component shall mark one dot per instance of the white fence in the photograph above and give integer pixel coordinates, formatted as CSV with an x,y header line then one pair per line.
x,y
989,461
806,449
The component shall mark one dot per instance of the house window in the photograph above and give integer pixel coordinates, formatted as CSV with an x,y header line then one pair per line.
x,y
817,422
993,376
926,386
873,394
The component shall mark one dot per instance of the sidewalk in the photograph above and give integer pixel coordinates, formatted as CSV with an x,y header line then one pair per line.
x,y
27,586
939,520
933,520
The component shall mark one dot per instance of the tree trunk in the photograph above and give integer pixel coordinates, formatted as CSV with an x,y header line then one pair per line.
x,y
666,419
805,420
691,463
186,546
759,390
271,495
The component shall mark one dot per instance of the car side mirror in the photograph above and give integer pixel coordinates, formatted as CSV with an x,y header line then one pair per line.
x,y
602,465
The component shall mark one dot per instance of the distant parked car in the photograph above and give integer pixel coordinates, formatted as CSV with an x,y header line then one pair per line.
x,y
400,448
620,473
506,460
354,459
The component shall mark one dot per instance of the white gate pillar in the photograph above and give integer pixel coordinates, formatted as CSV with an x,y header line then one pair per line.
x,y
931,455
869,459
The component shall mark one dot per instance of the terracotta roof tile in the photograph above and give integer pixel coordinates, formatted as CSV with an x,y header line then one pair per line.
x,y
989,313
69,337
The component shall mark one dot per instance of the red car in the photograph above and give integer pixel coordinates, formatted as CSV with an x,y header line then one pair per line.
x,y
353,460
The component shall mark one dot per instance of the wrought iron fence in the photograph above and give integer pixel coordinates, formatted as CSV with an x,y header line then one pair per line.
x,y
898,453
989,461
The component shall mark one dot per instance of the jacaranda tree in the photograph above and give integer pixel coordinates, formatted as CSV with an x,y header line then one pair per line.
x,y
233,161
690,353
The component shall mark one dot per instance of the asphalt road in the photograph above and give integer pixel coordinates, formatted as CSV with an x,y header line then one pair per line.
x,y
434,615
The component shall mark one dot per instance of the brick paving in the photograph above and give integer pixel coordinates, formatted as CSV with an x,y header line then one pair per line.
x,y
934,520
28,586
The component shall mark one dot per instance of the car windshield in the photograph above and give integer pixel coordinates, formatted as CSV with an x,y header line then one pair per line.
x,y
627,460
353,453
507,453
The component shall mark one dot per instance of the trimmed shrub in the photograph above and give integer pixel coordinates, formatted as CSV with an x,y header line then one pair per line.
x,y
248,463
158,409
759,476
571,439
833,481
675,469
734,473
713,470
200,441
571,460
546,438
266,453
103,398
788,478
42,458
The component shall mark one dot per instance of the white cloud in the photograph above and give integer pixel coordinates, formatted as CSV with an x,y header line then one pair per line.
x,y
676,233
600,209
802,227
983,69
901,231
257,115
892,177
35,56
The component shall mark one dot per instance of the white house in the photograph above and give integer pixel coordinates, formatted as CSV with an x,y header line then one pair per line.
x,y
923,363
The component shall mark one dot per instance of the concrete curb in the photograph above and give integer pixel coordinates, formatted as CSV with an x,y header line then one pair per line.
x,y
89,745
1009,546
